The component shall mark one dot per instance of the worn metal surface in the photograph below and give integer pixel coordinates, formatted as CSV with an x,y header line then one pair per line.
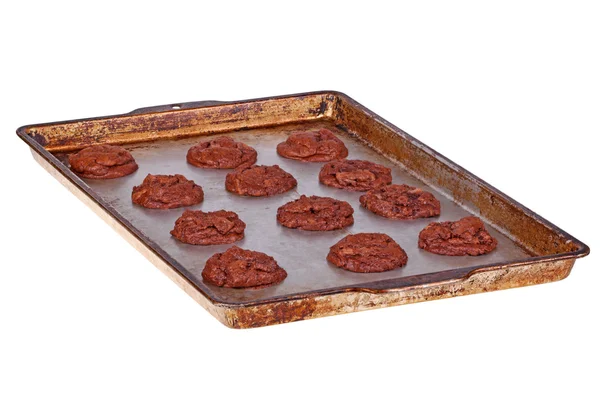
x,y
313,287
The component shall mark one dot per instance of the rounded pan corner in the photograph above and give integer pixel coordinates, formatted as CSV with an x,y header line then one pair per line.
x,y
583,251
336,93
22,130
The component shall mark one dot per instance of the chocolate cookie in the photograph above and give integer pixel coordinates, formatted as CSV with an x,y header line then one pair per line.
x,y
222,153
355,175
315,214
166,191
214,227
313,146
401,202
367,252
102,161
259,180
466,236
239,268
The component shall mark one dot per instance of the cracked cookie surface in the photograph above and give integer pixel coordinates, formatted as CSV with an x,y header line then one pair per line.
x,y
259,180
221,153
313,146
167,191
102,161
239,268
401,202
355,175
367,252
316,213
466,236
206,228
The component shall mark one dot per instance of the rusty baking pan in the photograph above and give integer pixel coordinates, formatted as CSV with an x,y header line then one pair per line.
x,y
531,250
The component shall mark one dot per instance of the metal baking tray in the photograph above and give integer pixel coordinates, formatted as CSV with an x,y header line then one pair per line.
x,y
530,249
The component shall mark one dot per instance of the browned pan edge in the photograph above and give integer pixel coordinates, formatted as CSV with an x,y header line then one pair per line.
x,y
381,286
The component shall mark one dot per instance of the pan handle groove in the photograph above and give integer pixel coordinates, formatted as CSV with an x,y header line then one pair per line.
x,y
176,106
403,283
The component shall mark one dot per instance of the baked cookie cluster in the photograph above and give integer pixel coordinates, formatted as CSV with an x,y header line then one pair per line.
x,y
362,252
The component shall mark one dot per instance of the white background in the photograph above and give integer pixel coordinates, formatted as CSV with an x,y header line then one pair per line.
x,y
511,92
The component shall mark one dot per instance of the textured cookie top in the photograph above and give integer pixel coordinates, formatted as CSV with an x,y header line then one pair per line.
x,y
313,146
221,153
355,175
239,268
102,161
316,213
206,228
367,252
167,191
259,180
466,236
401,202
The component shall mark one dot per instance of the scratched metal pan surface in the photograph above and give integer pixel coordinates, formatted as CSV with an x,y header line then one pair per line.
x,y
301,254
159,137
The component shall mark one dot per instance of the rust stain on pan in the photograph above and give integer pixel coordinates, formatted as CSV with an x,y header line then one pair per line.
x,y
354,301
257,316
172,124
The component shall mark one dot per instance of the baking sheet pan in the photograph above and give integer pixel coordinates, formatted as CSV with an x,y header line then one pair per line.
x,y
531,250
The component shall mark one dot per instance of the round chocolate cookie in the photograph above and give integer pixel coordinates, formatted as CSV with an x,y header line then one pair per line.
x,y
239,268
313,146
401,202
315,213
467,236
221,153
167,191
259,180
205,228
355,175
367,252
102,161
